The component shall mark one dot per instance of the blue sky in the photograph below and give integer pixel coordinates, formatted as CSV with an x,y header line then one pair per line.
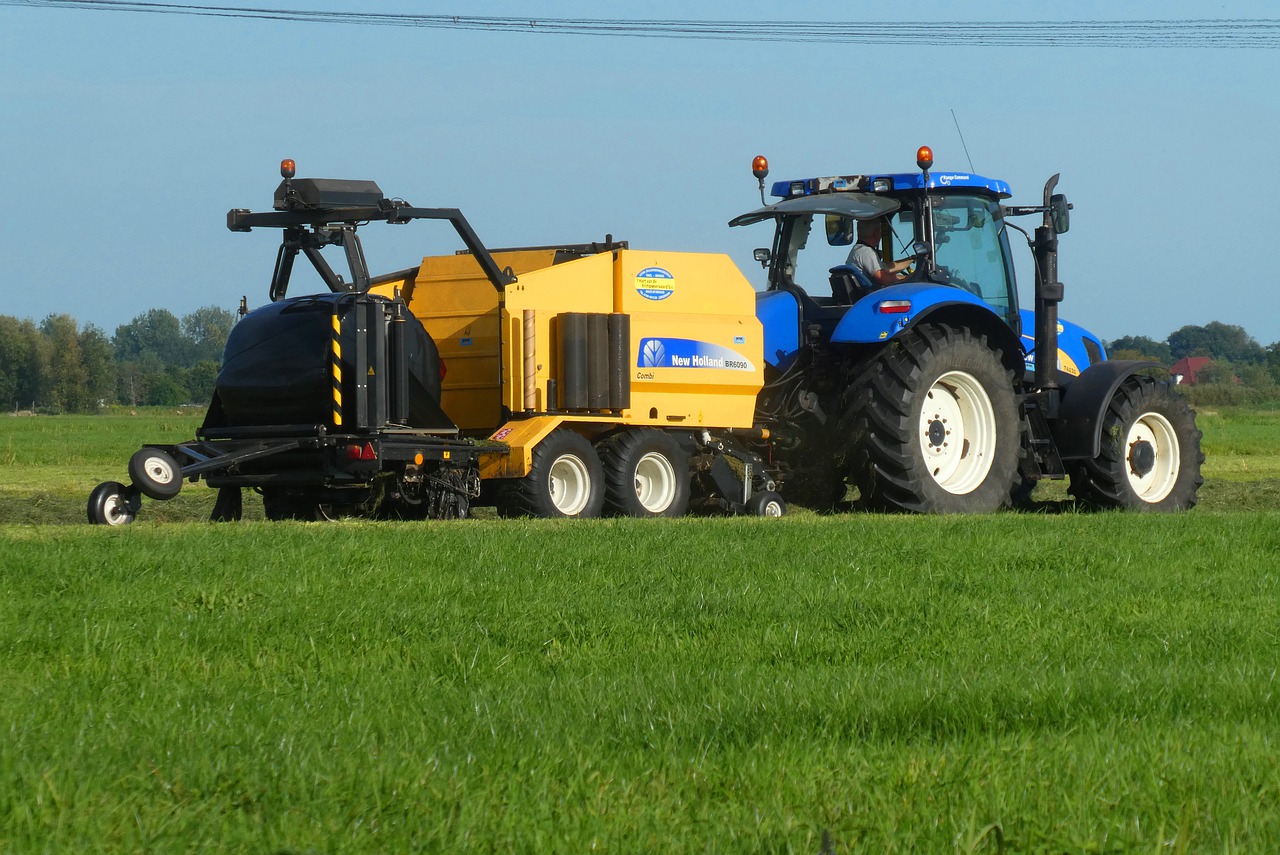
x,y
126,137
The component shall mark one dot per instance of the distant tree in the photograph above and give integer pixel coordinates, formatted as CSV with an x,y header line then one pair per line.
x,y
1139,346
1216,340
68,382
98,357
15,358
135,377
164,391
157,332
199,381
207,329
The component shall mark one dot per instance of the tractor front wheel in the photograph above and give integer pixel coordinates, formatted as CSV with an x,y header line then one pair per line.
x,y
1149,457
935,428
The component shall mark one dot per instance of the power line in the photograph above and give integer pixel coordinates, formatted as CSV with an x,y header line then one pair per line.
x,y
1154,33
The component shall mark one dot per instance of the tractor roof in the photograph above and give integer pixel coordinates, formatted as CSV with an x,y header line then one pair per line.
x,y
890,182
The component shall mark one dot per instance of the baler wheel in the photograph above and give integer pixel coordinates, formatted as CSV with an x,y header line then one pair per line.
x,y
646,474
278,504
936,429
112,503
565,480
1150,454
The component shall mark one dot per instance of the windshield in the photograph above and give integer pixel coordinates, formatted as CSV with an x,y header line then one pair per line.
x,y
972,248
812,244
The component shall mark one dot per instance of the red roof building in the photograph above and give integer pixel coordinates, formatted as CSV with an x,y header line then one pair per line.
x,y
1185,370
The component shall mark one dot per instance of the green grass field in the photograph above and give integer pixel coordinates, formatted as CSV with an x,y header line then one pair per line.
x,y
1020,682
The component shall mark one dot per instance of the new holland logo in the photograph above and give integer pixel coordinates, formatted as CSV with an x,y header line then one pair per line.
x,y
655,283
653,354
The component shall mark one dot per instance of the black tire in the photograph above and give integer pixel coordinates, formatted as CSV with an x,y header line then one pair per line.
x,y
935,427
1150,454
818,486
767,503
155,473
564,480
229,506
278,504
112,503
646,474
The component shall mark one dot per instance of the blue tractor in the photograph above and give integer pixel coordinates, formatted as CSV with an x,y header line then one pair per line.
x,y
932,390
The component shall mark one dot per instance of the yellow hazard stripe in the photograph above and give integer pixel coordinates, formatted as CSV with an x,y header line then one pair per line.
x,y
337,370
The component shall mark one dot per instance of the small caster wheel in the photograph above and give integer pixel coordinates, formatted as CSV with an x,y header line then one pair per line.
x,y
155,473
766,504
112,503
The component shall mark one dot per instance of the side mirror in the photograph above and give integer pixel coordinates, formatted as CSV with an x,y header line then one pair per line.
x,y
839,230
1059,211
763,256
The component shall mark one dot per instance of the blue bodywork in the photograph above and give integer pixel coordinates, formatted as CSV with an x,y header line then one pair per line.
x,y
1077,347
779,314
865,322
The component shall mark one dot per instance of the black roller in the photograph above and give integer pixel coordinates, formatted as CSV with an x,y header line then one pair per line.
x,y
597,362
619,361
573,361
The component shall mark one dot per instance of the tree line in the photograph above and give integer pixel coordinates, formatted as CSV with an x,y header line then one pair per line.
x,y
1241,370
159,359
156,359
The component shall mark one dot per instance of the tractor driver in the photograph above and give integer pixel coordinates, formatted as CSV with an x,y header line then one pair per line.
x,y
866,255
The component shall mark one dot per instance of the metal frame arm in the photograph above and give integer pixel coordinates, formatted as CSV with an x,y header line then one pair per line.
x,y
296,221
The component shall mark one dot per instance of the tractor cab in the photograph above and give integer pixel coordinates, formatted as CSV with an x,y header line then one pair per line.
x,y
949,226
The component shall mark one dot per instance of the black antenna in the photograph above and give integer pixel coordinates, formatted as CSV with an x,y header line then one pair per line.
x,y
962,143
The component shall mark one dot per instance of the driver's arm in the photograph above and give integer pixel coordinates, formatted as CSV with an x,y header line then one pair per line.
x,y
888,275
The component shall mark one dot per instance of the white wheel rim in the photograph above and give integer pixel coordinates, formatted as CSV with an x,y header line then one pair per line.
x,y
772,508
569,484
115,511
158,470
957,432
1155,430
655,482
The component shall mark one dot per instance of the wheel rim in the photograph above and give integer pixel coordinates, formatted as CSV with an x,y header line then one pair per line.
x,y
569,485
115,511
655,482
159,470
958,432
772,508
1151,457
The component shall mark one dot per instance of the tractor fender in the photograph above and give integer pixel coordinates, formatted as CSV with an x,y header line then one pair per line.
x,y
1077,431
866,322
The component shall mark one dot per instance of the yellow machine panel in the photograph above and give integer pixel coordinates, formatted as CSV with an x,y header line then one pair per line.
x,y
694,355
458,307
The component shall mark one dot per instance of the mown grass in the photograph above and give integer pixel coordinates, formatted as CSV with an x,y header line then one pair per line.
x,y
1018,682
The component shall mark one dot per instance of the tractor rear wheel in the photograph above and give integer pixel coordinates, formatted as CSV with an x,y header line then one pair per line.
x,y
565,480
1150,454
645,474
936,428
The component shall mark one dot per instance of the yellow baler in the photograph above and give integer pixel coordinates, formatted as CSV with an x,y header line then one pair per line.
x,y
618,338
